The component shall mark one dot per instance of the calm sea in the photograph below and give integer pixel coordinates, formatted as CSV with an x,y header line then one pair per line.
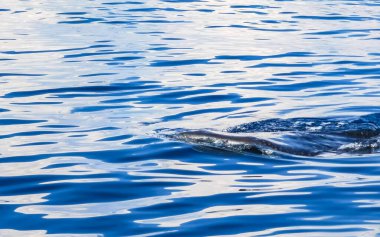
x,y
87,87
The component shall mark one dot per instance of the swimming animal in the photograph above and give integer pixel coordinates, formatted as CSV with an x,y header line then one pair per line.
x,y
296,136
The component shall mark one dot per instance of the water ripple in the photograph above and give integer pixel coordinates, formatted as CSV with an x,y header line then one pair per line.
x,y
90,88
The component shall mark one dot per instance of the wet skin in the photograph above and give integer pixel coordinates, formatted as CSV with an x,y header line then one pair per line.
x,y
297,136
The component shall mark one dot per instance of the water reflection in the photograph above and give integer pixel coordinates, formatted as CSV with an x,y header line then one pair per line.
x,y
222,212
40,233
86,87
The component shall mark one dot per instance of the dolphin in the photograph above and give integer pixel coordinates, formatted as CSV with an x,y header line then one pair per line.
x,y
295,136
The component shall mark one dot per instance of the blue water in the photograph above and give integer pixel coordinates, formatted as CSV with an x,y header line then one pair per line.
x,y
88,87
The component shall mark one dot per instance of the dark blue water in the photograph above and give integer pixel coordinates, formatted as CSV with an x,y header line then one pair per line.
x,y
88,87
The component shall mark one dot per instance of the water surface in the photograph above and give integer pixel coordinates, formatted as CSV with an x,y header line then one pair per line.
x,y
87,87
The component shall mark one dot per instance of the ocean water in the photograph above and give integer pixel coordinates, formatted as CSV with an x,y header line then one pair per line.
x,y
89,87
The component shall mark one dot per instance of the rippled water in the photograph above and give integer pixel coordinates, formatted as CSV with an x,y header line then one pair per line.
x,y
87,87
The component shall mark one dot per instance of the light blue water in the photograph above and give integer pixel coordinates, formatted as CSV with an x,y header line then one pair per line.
x,y
87,87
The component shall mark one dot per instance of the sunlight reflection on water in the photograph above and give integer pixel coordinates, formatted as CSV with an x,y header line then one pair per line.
x,y
87,86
